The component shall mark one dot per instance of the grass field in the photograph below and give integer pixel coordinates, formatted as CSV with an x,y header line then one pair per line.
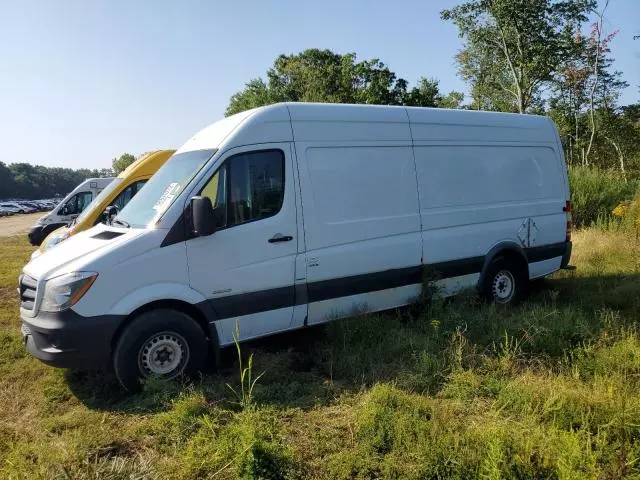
x,y
549,389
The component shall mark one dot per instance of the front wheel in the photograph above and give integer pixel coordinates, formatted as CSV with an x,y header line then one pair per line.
x,y
164,343
505,281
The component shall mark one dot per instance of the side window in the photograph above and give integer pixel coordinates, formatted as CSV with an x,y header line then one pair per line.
x,y
255,186
127,194
78,203
248,187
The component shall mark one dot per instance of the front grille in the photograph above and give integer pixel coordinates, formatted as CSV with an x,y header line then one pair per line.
x,y
25,329
27,292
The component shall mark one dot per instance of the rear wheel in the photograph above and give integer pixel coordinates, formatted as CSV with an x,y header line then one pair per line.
x,y
164,343
505,281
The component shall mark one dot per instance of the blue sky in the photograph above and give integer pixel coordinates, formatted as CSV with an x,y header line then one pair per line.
x,y
84,81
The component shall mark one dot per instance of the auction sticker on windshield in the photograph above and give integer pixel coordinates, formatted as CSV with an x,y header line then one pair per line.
x,y
167,197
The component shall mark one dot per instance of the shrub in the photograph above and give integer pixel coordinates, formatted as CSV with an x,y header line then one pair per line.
x,y
595,193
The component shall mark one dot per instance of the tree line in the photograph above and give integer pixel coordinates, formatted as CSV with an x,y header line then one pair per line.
x,y
23,180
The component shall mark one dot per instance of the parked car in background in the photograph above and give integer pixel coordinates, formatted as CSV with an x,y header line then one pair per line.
x,y
47,205
117,194
31,205
17,207
27,207
12,206
6,211
39,206
68,209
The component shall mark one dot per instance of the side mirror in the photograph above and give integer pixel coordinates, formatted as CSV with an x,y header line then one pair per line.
x,y
64,210
110,213
204,222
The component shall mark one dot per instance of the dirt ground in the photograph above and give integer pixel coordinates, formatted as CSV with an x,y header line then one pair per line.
x,y
18,224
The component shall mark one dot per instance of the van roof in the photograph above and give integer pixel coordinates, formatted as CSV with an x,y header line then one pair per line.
x,y
147,161
273,123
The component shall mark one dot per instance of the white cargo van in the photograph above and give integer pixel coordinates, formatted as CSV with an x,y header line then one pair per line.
x,y
68,209
294,214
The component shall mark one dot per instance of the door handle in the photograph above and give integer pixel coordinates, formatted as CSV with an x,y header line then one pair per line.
x,y
278,237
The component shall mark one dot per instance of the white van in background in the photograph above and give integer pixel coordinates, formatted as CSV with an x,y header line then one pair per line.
x,y
68,209
294,214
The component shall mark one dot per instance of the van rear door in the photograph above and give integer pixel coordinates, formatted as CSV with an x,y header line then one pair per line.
x,y
247,267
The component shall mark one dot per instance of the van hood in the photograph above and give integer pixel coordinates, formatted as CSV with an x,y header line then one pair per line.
x,y
79,250
46,218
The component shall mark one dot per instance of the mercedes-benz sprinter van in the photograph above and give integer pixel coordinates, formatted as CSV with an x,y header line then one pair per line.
x,y
292,215
117,194
68,209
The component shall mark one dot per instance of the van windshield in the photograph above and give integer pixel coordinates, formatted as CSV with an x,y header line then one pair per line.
x,y
98,200
163,188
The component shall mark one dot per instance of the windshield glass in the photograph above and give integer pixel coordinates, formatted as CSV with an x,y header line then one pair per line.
x,y
98,200
162,189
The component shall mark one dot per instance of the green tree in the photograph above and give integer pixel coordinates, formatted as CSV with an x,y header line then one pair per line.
x,y
584,100
315,75
619,129
483,69
452,99
515,46
23,180
7,184
122,162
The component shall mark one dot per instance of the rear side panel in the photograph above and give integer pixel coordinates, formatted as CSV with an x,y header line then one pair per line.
x,y
472,197
489,184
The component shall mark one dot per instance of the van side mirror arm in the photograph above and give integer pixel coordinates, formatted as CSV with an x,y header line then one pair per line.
x,y
110,213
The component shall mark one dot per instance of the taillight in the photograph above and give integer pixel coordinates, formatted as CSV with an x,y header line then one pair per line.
x,y
568,208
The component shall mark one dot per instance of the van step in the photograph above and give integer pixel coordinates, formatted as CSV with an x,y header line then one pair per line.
x,y
569,267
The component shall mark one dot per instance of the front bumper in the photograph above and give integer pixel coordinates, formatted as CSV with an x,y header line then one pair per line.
x,y
69,340
566,258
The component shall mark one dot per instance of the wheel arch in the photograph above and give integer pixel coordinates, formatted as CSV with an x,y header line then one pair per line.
x,y
505,249
195,312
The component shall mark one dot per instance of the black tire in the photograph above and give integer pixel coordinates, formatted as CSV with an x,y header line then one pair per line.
x,y
153,339
505,281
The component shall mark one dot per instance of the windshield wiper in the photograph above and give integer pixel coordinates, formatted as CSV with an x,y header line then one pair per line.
x,y
117,221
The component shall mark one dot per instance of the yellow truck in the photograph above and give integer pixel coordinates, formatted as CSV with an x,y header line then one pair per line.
x,y
117,193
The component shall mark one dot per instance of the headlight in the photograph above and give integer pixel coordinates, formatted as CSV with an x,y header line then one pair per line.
x,y
56,239
62,292
42,220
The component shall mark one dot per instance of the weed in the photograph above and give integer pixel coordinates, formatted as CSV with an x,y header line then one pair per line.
x,y
247,383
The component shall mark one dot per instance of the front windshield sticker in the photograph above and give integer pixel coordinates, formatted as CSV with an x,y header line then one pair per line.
x,y
167,197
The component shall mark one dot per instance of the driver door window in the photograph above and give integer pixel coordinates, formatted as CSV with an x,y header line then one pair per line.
x,y
248,187
77,203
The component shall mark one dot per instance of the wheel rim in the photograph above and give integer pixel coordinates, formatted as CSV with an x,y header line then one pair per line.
x,y
503,286
164,354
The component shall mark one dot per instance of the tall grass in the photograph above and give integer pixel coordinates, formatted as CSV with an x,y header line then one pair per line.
x,y
244,392
596,192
